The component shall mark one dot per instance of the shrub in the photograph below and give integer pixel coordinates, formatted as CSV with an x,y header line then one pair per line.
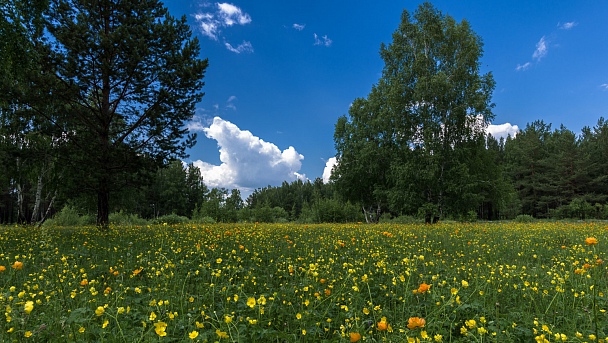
x,y
524,218
122,218
170,219
69,216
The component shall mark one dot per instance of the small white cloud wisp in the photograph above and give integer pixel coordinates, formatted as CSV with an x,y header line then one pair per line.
x,y
502,130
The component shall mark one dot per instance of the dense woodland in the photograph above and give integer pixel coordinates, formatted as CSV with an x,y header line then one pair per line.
x,y
93,107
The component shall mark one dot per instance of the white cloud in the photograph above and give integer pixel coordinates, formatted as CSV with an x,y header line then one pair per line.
x,y
604,85
231,15
225,15
248,162
323,40
524,66
541,49
503,130
329,165
567,25
243,47
299,27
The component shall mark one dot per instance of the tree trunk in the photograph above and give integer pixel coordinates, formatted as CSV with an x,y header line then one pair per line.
x,y
103,204
36,211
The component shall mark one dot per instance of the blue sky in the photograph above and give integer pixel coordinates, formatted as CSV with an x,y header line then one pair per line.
x,y
281,73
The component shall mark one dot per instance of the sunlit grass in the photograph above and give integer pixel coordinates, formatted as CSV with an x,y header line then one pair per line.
x,y
451,282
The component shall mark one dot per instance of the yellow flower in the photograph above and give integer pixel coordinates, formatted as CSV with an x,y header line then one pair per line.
x,y
424,334
160,328
28,307
81,330
227,319
99,311
470,323
298,316
221,334
591,241
465,284
251,302
199,325
438,338
17,265
152,316
193,334
27,334
105,324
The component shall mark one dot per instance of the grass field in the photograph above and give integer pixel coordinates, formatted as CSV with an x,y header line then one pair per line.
x,y
452,282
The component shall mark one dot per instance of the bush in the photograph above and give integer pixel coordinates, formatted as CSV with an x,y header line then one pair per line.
x,y
170,219
203,220
122,218
69,216
524,218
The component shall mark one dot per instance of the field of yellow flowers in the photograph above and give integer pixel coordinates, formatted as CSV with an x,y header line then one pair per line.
x,y
452,282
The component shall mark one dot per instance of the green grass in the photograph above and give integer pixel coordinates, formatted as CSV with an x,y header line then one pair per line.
x,y
489,282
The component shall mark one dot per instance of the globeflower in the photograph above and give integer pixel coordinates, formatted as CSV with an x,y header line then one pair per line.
x,y
28,307
17,265
2,268
160,328
415,322
591,241
382,324
355,337
423,288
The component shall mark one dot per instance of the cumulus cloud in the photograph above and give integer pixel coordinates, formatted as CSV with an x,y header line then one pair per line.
x,y
325,41
225,15
541,49
502,130
247,161
524,66
243,47
299,27
329,165
567,25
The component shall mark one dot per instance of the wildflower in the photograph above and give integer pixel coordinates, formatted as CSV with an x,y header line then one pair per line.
x,y
470,323
415,322
221,334
99,311
592,337
423,288
298,316
27,334
382,324
227,319
28,307
424,335
304,332
2,268
81,330
591,241
17,265
438,338
105,324
160,328
251,302
193,334
137,271
152,316
465,284
355,336
199,325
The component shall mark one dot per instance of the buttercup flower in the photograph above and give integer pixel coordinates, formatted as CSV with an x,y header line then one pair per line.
x,y
160,328
382,324
251,302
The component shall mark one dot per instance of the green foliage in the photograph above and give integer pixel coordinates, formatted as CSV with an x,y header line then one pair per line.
x,y
69,216
170,219
125,219
524,218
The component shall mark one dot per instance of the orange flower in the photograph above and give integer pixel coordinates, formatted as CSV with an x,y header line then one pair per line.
x,y
415,322
17,265
355,336
137,271
2,268
84,282
382,325
586,266
423,287
591,241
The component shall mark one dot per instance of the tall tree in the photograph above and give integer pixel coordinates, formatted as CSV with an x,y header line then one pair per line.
x,y
405,145
129,76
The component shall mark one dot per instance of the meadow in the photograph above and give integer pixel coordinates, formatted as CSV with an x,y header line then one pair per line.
x,y
451,282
